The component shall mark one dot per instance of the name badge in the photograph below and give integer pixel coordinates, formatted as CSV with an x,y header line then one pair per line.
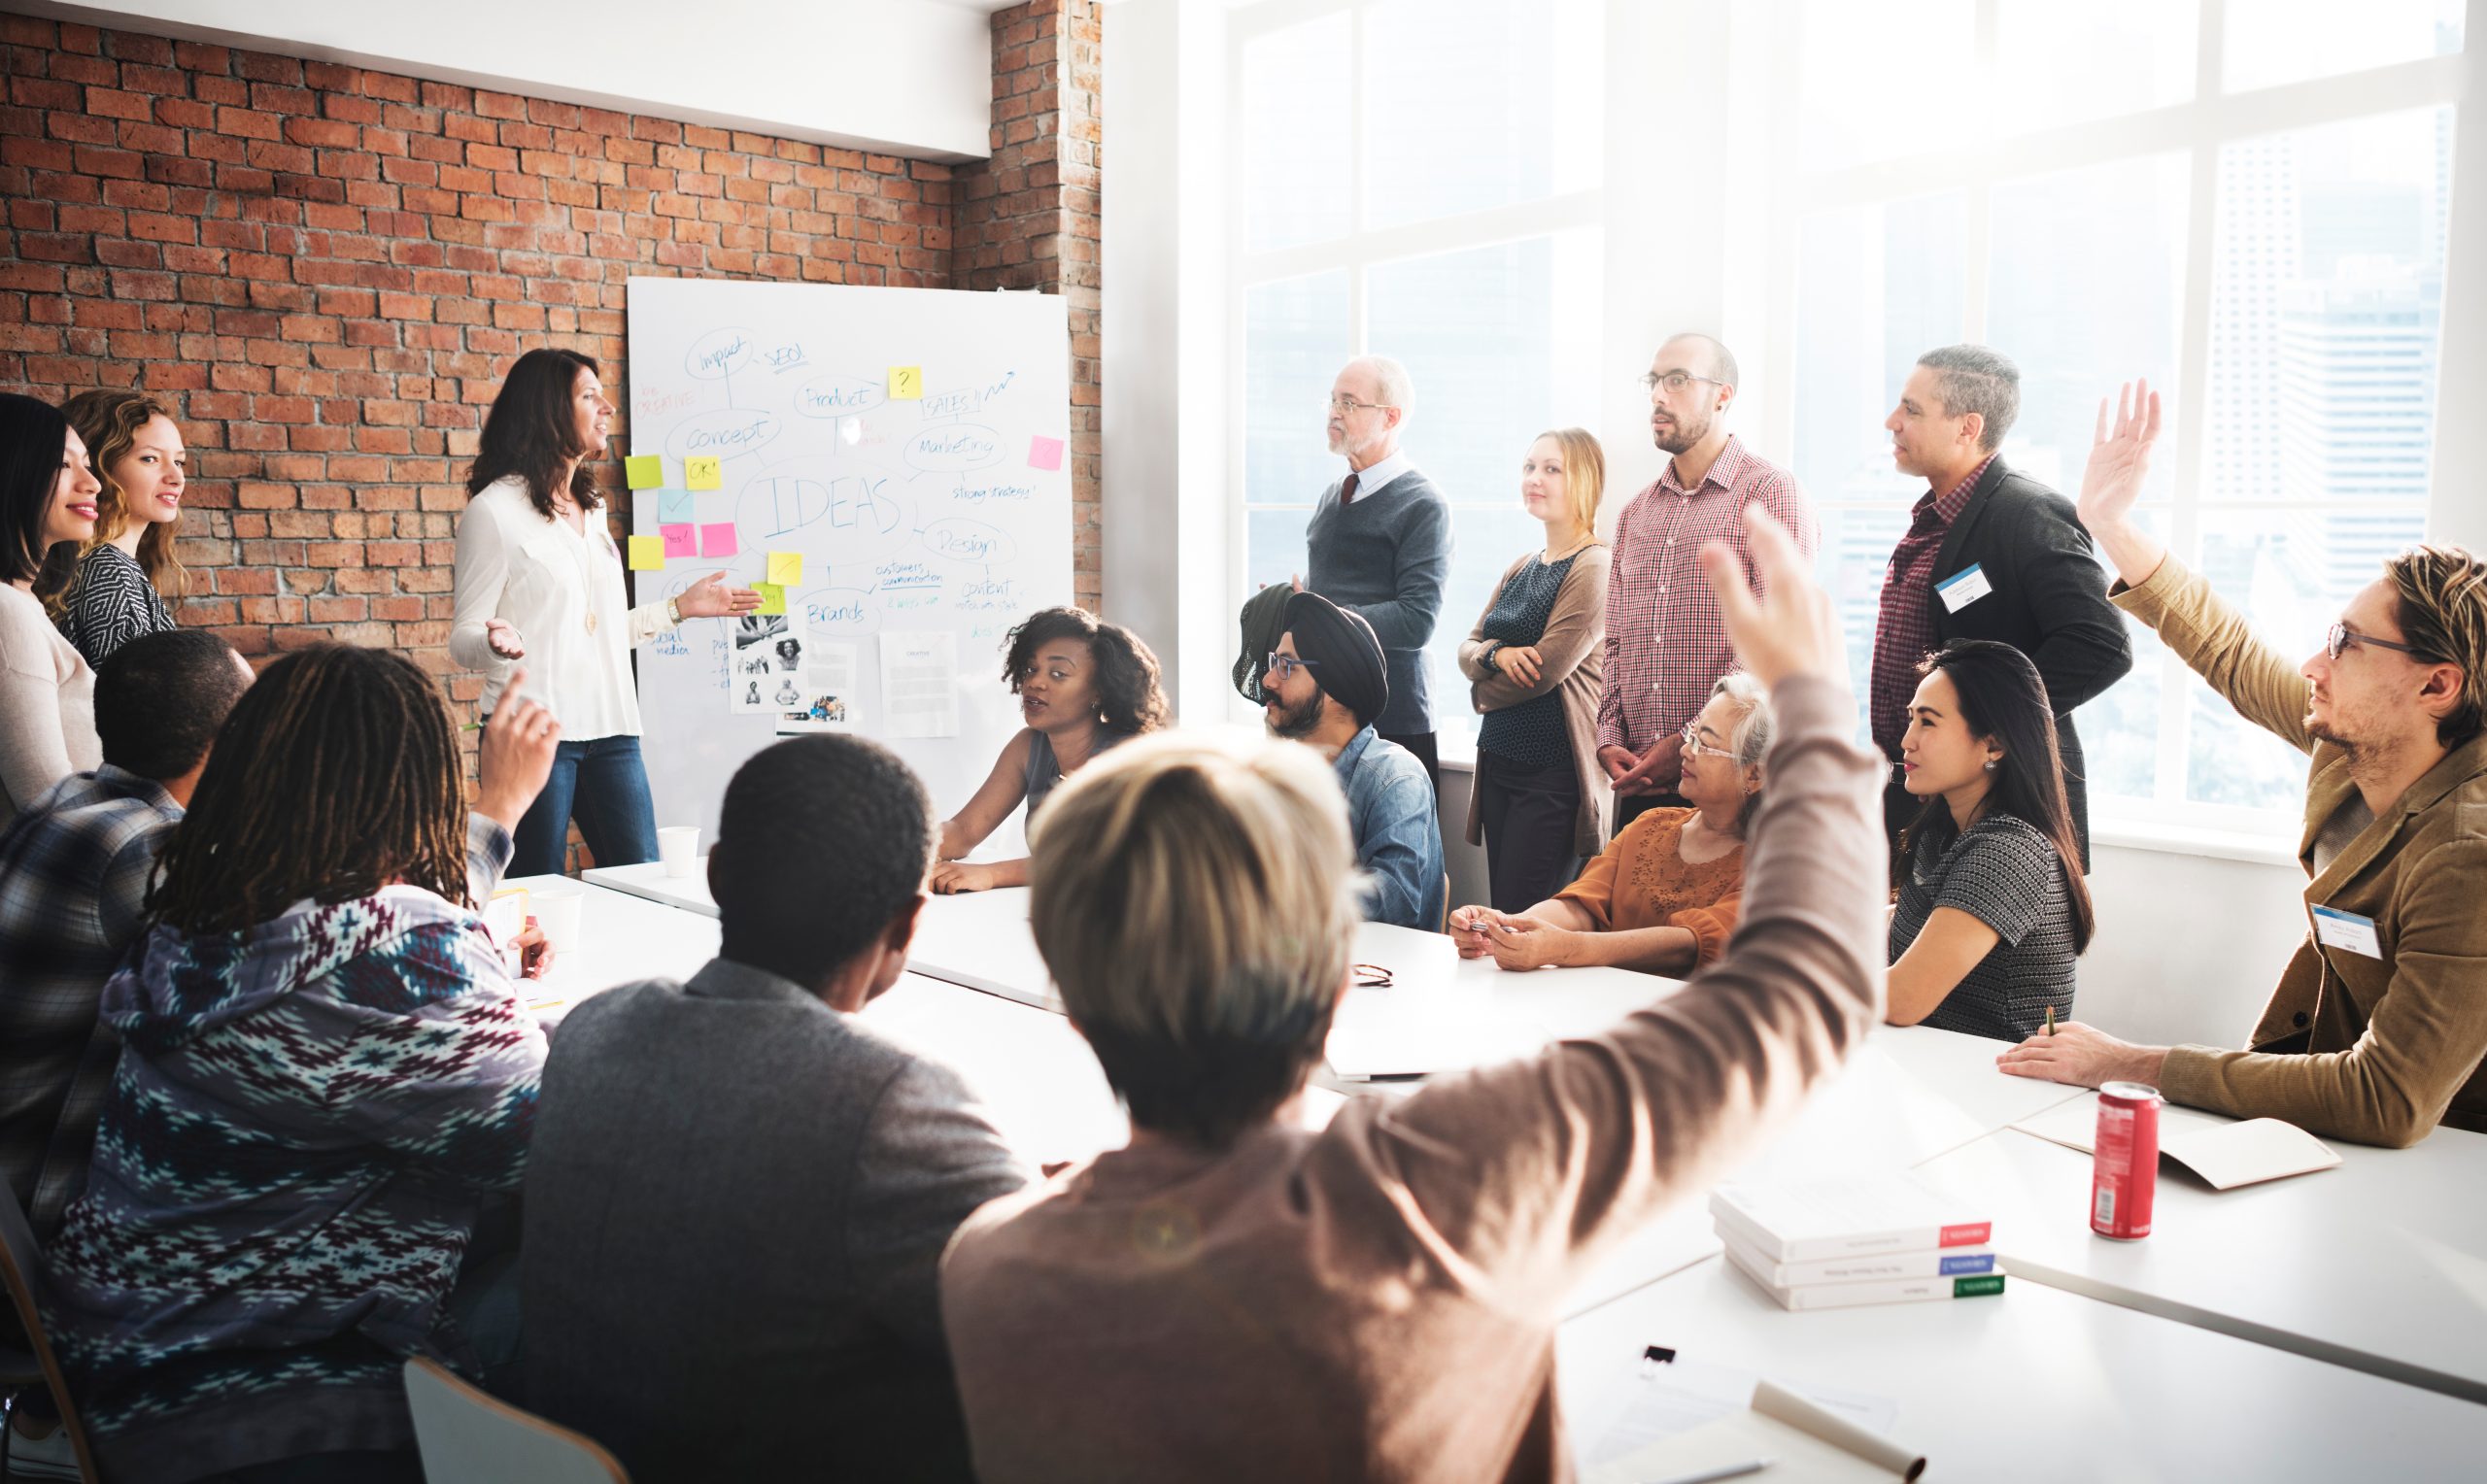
x,y
2347,930
1963,587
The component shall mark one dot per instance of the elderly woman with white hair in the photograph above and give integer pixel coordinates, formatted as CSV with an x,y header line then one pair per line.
x,y
1664,897
1237,1297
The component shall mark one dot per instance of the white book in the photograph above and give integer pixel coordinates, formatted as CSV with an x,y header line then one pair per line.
x,y
1846,1296
2221,1150
1809,1220
1869,1268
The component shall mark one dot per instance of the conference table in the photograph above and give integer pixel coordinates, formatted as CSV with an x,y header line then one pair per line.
x,y
2327,1326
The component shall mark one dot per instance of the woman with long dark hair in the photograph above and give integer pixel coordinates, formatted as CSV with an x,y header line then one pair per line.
x,y
326,1073
47,687
1083,686
536,578
1993,909
122,580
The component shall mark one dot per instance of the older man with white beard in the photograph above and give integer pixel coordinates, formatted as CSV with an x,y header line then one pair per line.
x,y
1379,543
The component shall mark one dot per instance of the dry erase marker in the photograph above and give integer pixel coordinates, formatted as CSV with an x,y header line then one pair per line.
x,y
2050,1020
1722,1471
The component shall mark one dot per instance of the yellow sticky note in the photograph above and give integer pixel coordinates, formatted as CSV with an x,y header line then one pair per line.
x,y
772,596
785,568
906,384
644,471
647,554
702,474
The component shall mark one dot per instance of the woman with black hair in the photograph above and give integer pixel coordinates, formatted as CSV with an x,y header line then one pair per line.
x,y
1993,909
538,579
1083,686
47,688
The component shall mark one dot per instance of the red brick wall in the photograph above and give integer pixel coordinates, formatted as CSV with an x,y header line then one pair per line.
x,y
325,271
1028,217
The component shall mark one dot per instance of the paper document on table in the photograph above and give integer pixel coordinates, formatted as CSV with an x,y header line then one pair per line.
x,y
1685,1416
2221,1150
920,685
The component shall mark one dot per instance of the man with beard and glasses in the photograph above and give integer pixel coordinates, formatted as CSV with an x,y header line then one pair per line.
x,y
1665,647
1326,682
2378,1026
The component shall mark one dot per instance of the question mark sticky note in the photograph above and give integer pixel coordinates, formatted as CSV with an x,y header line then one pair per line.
x,y
647,554
785,568
772,596
679,540
702,474
906,384
718,539
1045,452
644,471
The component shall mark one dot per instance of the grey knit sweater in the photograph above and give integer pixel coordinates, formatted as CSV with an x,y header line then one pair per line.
x,y
1386,554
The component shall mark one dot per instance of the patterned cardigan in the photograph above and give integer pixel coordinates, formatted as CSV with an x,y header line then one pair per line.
x,y
304,1119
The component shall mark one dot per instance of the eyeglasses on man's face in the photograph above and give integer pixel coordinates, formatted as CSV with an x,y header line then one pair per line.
x,y
1673,380
1345,405
1285,666
2341,636
1694,744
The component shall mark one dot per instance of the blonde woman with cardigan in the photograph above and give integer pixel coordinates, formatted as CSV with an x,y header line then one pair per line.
x,y
1533,661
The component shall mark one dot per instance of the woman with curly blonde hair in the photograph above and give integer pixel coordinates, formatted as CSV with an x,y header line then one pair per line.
x,y
123,581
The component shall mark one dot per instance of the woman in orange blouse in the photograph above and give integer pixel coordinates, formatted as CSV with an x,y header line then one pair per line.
x,y
1662,897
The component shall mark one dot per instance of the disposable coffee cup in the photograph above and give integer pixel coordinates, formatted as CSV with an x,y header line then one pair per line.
x,y
557,912
678,846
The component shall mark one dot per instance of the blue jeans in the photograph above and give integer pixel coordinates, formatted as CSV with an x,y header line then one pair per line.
x,y
604,786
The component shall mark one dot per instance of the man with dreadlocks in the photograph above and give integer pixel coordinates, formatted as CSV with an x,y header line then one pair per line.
x,y
324,1072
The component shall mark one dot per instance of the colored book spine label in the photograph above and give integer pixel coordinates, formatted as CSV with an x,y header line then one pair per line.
x,y
1976,1288
1984,1262
1969,1236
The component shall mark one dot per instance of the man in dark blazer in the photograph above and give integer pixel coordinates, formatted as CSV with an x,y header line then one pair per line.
x,y
1990,553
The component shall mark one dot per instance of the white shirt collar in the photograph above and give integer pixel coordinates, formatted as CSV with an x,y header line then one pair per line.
x,y
1374,479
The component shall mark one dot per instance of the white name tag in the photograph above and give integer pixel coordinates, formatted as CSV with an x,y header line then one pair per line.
x,y
2347,930
1963,587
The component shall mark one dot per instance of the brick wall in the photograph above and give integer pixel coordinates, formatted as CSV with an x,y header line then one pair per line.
x,y
325,271
1028,217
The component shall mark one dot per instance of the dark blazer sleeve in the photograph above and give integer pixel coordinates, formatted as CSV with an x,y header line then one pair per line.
x,y
2079,642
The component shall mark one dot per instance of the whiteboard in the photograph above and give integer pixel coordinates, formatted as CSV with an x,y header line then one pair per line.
x,y
943,513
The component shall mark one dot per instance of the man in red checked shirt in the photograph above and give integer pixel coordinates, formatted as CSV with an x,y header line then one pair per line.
x,y
1665,646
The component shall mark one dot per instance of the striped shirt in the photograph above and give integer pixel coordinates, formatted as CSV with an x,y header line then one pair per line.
x,y
1665,646
1906,629
111,603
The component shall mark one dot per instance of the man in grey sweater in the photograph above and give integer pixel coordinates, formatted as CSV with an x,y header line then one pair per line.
x,y
738,1192
1379,542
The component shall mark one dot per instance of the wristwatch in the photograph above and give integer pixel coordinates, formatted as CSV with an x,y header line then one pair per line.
x,y
1493,658
673,611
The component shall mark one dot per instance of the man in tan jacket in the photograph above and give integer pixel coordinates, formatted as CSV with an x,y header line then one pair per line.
x,y
2379,1024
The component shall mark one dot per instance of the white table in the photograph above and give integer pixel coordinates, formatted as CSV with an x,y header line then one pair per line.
x,y
649,880
2036,1384
2380,1265
622,939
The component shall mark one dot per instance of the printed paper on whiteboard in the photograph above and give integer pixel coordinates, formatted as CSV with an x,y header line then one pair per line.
x,y
828,699
920,684
765,665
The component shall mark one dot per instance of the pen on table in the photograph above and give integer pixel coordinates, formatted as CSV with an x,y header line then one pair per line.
x,y
2050,1020
1722,1471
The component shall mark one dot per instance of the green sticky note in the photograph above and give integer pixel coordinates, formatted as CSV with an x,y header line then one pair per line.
x,y
702,474
647,554
906,384
772,596
644,471
785,568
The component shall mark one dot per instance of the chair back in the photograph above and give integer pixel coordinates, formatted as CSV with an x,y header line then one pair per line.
x,y
22,1266
470,1436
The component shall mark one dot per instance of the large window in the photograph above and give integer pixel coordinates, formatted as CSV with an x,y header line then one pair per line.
x,y
1416,179
2244,200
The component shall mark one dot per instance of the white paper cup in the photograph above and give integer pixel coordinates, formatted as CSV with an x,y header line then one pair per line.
x,y
678,846
557,912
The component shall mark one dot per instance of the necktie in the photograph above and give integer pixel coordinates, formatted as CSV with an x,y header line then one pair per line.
x,y
1347,489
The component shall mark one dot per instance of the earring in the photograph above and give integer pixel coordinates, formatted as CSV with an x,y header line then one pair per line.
x,y
1990,762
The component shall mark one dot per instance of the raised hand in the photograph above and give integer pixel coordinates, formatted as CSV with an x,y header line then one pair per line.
x,y
1789,629
514,756
2111,484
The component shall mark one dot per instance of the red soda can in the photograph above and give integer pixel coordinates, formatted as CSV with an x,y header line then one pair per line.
x,y
2124,1165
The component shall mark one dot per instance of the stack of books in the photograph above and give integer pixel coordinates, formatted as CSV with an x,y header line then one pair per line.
x,y
1827,1244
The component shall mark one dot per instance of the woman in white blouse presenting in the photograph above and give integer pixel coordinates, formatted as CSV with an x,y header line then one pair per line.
x,y
538,579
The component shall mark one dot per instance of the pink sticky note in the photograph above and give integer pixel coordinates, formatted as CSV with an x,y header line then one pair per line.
x,y
717,540
1045,452
679,540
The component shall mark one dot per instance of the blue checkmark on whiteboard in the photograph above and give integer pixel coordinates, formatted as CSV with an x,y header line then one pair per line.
x,y
675,506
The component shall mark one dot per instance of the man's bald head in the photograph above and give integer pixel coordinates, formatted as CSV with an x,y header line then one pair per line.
x,y
1703,355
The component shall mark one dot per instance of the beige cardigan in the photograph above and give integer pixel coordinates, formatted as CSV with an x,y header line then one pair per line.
x,y
1573,650
47,704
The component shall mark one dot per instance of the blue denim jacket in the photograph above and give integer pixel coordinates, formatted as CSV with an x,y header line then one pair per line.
x,y
1398,833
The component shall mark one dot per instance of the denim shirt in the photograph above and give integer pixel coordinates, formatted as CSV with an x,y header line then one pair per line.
x,y
1398,834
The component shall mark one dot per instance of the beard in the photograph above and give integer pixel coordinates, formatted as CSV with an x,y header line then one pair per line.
x,y
1294,724
1686,433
